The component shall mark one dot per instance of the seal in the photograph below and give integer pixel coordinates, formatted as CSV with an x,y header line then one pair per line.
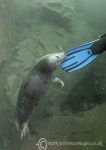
x,y
33,87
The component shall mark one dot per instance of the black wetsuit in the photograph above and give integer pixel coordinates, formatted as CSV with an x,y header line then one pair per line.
x,y
100,45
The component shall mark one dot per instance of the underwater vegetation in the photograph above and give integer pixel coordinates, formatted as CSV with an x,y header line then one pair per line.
x,y
30,30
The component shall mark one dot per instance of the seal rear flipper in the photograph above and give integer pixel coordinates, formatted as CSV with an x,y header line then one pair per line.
x,y
17,125
25,130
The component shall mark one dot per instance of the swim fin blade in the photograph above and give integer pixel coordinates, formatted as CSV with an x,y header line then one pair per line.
x,y
78,57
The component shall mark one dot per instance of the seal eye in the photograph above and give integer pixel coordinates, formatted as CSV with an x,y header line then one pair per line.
x,y
57,57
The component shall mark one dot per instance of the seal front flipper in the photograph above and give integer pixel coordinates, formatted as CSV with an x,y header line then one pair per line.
x,y
59,82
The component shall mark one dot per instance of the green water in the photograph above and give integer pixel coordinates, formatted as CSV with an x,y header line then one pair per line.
x,y
30,30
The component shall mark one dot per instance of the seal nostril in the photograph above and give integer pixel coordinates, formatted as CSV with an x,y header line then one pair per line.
x,y
57,57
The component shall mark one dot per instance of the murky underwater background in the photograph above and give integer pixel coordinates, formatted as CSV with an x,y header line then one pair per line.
x,y
30,29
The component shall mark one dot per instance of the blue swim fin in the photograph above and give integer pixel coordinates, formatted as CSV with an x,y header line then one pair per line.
x,y
83,55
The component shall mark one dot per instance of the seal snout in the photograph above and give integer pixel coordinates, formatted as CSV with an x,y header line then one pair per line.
x,y
61,55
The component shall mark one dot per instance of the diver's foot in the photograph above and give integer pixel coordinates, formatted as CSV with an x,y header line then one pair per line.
x,y
25,131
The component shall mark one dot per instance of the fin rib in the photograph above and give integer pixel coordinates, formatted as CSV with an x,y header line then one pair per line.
x,y
77,65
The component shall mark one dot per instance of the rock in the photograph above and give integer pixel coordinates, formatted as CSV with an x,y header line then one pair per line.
x,y
56,5
11,79
41,44
56,14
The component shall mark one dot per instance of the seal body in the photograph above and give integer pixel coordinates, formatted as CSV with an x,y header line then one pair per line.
x,y
33,87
